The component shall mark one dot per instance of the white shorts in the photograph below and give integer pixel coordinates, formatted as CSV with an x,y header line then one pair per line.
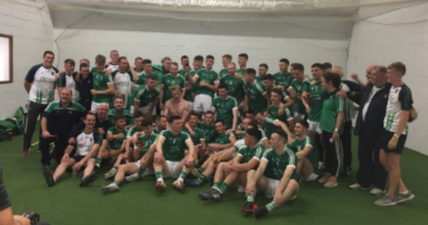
x,y
203,103
146,109
239,143
312,177
131,109
190,105
314,126
272,185
146,172
297,116
172,170
95,105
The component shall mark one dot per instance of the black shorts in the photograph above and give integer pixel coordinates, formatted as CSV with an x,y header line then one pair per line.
x,y
78,158
387,136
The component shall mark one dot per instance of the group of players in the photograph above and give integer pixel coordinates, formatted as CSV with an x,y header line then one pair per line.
x,y
253,130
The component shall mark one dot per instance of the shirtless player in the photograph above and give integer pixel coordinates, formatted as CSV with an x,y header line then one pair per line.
x,y
176,106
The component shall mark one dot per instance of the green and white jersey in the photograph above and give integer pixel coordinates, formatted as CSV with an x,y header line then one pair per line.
x,y
210,77
256,92
317,96
235,87
132,130
147,141
209,132
269,125
101,81
112,67
277,164
298,88
241,71
333,104
188,96
248,153
66,80
174,146
223,73
297,146
168,81
116,143
112,112
283,80
400,98
123,84
285,117
145,96
143,77
199,135
224,109
261,131
223,139
42,84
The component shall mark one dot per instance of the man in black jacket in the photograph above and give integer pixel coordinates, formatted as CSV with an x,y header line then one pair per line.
x,y
372,100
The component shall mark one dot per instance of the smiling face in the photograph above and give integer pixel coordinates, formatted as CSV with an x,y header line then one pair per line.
x,y
48,59
219,127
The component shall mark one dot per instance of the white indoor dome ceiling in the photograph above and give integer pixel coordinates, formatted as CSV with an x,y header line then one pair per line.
x,y
328,15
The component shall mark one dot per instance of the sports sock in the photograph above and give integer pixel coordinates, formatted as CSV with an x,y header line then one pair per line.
x,y
182,176
202,178
216,185
117,183
54,178
159,176
200,169
98,162
250,197
140,171
271,206
405,192
223,187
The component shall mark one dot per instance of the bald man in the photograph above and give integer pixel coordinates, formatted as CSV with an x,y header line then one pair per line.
x,y
369,76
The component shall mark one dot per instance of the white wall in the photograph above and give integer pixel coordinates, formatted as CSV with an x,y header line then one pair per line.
x,y
400,35
32,31
155,38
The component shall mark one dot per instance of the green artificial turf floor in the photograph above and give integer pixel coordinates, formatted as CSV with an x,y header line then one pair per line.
x,y
138,203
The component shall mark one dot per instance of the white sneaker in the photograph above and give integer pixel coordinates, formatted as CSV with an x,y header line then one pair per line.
x,y
376,191
324,179
132,178
355,186
110,188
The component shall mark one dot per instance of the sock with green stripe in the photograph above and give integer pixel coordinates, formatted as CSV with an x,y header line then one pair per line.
x,y
117,183
182,176
216,185
98,162
202,178
159,176
250,197
200,169
223,187
140,171
271,206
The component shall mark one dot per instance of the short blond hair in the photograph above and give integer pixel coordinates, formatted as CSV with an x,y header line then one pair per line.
x,y
176,88
399,66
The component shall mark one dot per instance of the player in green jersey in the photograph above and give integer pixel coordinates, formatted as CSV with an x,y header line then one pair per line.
x,y
168,81
276,107
184,61
148,71
256,98
269,85
143,167
130,142
296,90
207,126
235,171
161,123
199,137
283,78
263,69
271,124
103,88
225,60
192,87
226,108
118,109
113,146
275,177
170,159
234,84
242,62
306,151
146,97
331,124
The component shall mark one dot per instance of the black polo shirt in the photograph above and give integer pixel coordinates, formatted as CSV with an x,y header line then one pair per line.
x,y
61,120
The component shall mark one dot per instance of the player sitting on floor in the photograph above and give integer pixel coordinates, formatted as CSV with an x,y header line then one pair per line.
x,y
169,160
235,171
145,150
87,142
275,176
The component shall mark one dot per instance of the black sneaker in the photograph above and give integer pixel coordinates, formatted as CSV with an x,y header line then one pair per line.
x,y
248,208
259,212
86,180
206,194
215,195
48,176
192,183
346,171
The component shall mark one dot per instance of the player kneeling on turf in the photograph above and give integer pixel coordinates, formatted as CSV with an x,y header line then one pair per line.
x,y
248,158
87,142
113,146
169,158
146,149
276,177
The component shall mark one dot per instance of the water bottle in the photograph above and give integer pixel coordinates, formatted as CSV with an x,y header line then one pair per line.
x,y
74,173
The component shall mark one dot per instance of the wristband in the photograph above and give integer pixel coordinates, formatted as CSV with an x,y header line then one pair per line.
x,y
395,140
396,136
336,129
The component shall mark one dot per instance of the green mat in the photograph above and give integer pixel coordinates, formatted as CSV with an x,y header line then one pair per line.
x,y
138,203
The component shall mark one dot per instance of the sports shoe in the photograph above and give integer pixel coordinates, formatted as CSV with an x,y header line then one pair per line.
x,y
346,171
160,186
86,180
179,186
111,173
215,195
110,188
192,182
385,201
332,182
25,152
133,177
48,177
248,208
323,179
404,197
206,194
292,198
259,212
357,186
195,172
377,191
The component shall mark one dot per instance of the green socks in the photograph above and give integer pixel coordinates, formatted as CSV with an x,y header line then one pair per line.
x,y
223,187
202,178
182,176
271,206
159,176
250,197
200,169
116,183
216,185
98,162
141,171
